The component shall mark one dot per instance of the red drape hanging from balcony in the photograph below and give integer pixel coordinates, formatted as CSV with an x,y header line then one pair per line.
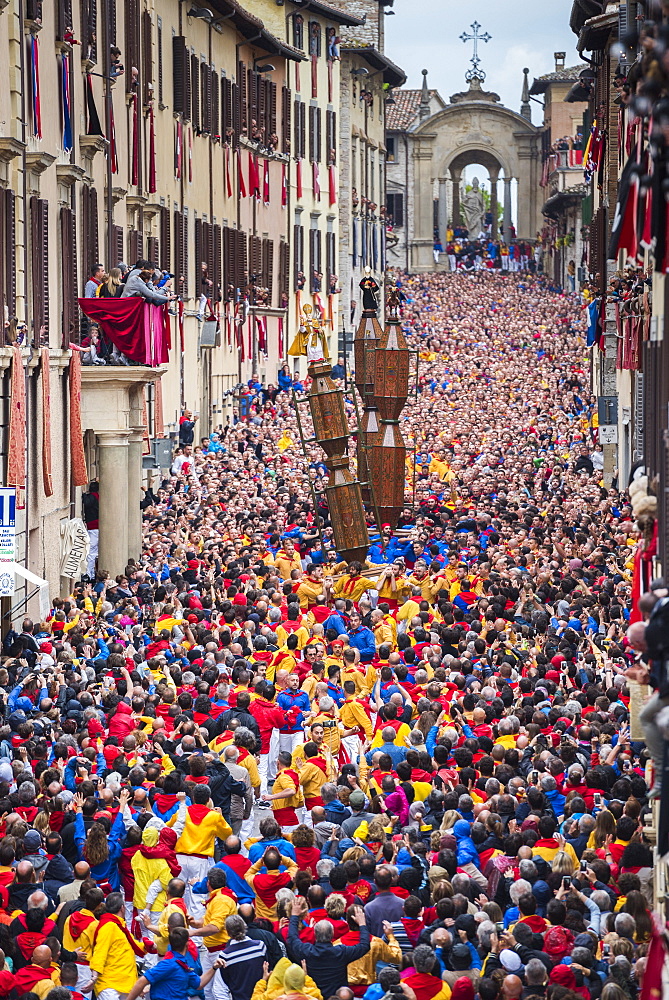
x,y
140,330
16,456
77,456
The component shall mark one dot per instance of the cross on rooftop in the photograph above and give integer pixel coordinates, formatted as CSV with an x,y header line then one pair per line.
x,y
475,37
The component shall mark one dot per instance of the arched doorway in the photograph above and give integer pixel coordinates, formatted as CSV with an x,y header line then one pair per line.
x,y
469,157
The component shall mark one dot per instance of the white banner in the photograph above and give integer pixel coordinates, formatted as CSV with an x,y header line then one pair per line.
x,y
74,548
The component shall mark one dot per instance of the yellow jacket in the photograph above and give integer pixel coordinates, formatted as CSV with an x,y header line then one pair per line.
x,y
285,565
399,741
85,939
219,908
302,634
284,783
273,987
114,959
408,610
362,972
147,871
199,838
312,779
308,591
353,587
352,714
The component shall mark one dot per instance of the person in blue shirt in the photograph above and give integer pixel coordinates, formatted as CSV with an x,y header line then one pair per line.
x,y
293,700
361,638
285,379
271,837
173,978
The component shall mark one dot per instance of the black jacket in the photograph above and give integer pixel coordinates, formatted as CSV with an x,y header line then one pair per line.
x,y
326,963
223,786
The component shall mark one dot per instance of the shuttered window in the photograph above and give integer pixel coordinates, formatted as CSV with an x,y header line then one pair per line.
x,y
270,114
315,38
227,131
267,270
181,102
179,267
8,251
284,274
89,30
147,58
165,242
34,10
254,85
64,18
330,260
331,136
236,125
286,109
298,257
215,107
315,134
159,47
395,208
195,92
205,91
199,254
300,130
39,257
132,53
135,246
89,231
117,244
68,272
255,265
298,31
152,250
315,262
216,273
241,83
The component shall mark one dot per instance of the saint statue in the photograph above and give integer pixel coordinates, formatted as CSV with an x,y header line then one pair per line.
x,y
310,340
473,209
370,292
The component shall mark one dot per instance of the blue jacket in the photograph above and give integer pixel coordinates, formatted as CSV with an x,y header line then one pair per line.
x,y
395,753
335,622
293,699
363,640
257,850
108,870
235,883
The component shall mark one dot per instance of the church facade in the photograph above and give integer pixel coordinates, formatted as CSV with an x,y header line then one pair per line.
x,y
430,144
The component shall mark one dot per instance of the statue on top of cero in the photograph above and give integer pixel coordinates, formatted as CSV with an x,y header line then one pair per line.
x,y
310,340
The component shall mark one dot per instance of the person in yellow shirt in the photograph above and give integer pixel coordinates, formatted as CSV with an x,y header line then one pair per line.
x,y
393,586
197,826
311,586
364,677
79,933
174,904
287,559
115,951
147,870
294,625
383,631
211,928
410,608
313,775
284,658
351,586
39,977
354,716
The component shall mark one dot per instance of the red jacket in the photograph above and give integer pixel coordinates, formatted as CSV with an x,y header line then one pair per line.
x,y
268,716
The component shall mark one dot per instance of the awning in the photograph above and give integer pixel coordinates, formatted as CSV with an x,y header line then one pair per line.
x,y
37,581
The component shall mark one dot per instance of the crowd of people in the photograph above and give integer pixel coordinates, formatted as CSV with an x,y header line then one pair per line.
x,y
243,769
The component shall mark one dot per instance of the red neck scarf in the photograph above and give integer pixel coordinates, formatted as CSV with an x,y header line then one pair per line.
x,y
164,850
111,918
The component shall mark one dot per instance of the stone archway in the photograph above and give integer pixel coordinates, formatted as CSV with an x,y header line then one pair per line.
x,y
474,128
455,167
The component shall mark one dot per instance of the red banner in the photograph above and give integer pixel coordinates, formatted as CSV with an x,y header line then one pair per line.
x,y
16,456
77,456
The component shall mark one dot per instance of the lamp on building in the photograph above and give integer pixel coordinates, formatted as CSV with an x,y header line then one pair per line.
x,y
360,71
267,68
203,12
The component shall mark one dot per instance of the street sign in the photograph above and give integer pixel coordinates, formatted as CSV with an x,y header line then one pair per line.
x,y
7,540
608,434
607,409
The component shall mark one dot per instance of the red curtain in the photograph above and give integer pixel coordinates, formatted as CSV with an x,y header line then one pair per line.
x,y
140,330
16,457
77,456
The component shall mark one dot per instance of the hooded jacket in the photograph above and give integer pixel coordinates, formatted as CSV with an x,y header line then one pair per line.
x,y
466,848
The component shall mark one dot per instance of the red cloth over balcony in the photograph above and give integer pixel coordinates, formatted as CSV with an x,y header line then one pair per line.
x,y
139,329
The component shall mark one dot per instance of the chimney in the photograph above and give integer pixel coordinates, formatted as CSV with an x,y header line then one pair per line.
x,y
559,60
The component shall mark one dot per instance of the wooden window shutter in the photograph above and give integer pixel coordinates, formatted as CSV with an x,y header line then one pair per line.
x,y
206,90
253,99
165,243
286,108
303,130
34,10
39,240
268,269
159,47
152,250
216,260
312,133
68,250
134,248
215,106
228,265
330,268
4,255
132,55
242,260
241,83
181,77
10,230
298,147
111,23
271,110
312,257
331,136
236,121
199,255
319,256
89,27
284,273
319,134
64,19
195,92
178,252
147,58
298,255
184,254
89,220
261,89
117,243
226,110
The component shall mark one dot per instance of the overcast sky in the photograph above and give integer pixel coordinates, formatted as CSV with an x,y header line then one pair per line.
x,y
425,34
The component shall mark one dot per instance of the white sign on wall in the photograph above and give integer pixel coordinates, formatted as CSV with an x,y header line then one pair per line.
x,y
7,540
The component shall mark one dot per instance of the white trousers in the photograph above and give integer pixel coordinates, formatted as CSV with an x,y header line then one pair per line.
x,y
194,869
451,261
211,990
352,745
288,741
94,539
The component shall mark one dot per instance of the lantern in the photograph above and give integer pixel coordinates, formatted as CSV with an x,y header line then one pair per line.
x,y
347,513
327,411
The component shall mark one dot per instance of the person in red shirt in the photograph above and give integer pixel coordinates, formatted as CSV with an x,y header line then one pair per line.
x,y
269,716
